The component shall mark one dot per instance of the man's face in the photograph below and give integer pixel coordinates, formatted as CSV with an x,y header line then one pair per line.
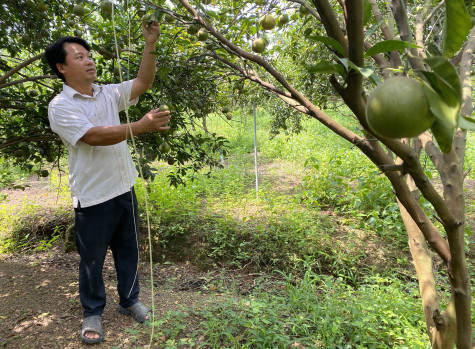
x,y
79,66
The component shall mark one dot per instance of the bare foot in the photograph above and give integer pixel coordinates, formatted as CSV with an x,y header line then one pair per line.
x,y
91,335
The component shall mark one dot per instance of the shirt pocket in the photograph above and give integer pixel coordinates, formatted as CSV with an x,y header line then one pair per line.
x,y
93,114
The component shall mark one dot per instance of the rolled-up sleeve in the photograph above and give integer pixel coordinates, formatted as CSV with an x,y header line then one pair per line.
x,y
122,94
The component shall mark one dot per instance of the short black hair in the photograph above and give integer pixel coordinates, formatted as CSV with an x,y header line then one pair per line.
x,y
55,53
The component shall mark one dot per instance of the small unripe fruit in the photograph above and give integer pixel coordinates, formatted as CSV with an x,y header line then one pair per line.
x,y
258,45
164,147
42,7
398,108
163,107
283,19
202,34
25,39
192,29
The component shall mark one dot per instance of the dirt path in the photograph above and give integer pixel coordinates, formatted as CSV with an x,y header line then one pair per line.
x,y
40,308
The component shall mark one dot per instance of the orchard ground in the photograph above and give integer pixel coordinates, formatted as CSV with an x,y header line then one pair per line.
x,y
39,301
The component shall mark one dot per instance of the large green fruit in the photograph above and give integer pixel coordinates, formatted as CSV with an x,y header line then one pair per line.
x,y
258,45
268,22
398,108
78,10
106,7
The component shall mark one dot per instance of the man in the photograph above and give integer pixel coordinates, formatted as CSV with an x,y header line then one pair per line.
x,y
101,171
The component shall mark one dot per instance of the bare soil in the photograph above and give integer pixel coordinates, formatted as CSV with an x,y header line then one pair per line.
x,y
39,300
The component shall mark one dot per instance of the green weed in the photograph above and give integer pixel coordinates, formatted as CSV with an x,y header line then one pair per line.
x,y
316,311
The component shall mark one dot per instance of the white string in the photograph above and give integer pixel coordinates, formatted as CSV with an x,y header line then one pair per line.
x,y
129,129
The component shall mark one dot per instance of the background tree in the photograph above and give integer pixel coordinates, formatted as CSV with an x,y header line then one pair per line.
x,y
319,53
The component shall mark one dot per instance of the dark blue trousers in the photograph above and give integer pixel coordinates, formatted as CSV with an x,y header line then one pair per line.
x,y
98,227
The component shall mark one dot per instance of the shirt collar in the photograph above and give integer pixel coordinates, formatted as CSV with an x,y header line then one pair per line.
x,y
71,93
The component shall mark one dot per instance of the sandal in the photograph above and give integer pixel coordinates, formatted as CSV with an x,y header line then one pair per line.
x,y
92,324
138,311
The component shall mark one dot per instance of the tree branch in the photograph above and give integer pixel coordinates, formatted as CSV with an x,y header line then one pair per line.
x,y
354,28
21,66
331,23
33,78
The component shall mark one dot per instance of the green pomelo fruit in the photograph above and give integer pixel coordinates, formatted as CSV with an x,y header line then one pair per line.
x,y
192,29
170,160
25,39
77,32
258,45
106,7
78,10
283,19
268,22
202,34
164,148
163,107
398,108
42,7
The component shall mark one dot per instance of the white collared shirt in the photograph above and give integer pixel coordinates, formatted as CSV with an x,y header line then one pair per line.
x,y
96,173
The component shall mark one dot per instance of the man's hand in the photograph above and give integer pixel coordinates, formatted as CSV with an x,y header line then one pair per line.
x,y
155,121
150,32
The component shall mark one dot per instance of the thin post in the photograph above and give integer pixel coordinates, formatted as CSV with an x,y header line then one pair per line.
x,y
255,149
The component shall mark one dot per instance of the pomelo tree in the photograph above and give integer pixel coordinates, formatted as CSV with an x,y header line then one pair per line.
x,y
338,50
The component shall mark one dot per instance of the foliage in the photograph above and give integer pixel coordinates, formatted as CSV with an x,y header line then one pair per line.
x,y
315,311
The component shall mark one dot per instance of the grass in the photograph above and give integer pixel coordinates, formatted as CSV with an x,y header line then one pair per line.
x,y
315,311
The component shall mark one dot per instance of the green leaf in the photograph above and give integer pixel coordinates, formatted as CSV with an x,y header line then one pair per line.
x,y
326,67
373,29
457,25
328,41
388,45
446,72
443,89
366,12
466,123
445,122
